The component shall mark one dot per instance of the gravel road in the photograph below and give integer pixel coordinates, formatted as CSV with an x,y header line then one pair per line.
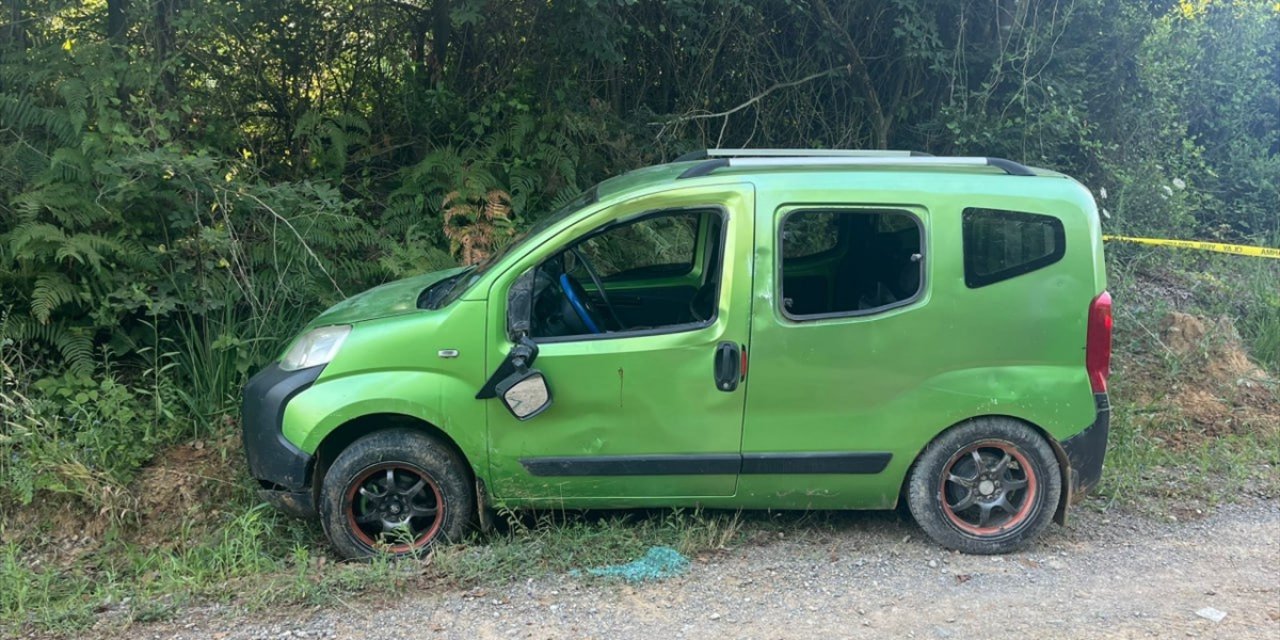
x,y
1106,576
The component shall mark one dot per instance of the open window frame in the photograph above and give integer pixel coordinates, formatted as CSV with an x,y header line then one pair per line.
x,y
780,258
702,262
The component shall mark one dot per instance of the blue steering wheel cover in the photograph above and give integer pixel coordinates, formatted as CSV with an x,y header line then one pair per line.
x,y
577,304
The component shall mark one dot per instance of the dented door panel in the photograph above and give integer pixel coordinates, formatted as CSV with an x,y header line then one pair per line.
x,y
635,416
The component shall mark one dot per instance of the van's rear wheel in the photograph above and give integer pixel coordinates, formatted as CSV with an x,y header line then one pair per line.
x,y
988,486
396,491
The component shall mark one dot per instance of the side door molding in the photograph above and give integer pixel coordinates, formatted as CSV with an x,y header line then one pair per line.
x,y
790,463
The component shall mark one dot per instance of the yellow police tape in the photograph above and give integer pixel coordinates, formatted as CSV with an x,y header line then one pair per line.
x,y
1237,249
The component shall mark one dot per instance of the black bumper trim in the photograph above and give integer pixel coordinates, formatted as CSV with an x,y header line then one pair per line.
x,y
299,504
1087,450
272,458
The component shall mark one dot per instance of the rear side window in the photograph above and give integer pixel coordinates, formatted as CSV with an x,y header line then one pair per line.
x,y
1000,244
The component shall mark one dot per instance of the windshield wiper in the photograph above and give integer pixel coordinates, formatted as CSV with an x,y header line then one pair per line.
x,y
431,297
441,293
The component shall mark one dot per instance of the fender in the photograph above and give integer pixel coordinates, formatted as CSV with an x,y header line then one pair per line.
x,y
443,401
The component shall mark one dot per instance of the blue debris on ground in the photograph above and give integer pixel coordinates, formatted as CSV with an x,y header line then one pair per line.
x,y
656,564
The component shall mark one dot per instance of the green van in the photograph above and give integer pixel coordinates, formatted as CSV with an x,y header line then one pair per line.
x,y
756,329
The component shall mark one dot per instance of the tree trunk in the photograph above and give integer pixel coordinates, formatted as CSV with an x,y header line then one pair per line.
x,y
14,35
117,32
117,23
441,34
165,10
420,49
881,123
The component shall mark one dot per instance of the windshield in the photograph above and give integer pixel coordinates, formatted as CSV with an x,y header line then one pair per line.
x,y
464,280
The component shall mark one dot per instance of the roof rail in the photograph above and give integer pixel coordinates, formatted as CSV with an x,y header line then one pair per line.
x,y
1008,166
704,154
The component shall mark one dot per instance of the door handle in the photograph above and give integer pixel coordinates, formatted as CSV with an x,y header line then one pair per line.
x,y
727,366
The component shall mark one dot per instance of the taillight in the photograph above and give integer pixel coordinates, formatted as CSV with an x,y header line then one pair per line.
x,y
1097,357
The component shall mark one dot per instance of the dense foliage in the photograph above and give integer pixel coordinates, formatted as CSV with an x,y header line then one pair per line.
x,y
182,182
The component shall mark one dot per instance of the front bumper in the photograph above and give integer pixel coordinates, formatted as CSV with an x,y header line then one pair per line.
x,y
1087,450
282,471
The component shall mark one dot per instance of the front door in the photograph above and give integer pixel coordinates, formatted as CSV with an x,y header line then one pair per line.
x,y
636,310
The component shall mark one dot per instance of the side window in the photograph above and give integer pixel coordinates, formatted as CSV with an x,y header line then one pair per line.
x,y
632,276
1000,244
811,234
848,262
658,246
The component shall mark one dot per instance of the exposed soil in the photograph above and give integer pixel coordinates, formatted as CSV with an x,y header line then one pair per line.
x,y
1212,385
176,495
873,576
183,488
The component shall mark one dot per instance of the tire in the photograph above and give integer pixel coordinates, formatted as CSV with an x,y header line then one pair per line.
x,y
987,486
397,491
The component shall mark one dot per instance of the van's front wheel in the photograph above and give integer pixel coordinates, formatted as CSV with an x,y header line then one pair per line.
x,y
396,491
988,486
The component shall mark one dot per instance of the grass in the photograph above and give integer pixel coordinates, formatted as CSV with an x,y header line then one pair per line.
x,y
1161,461
1147,283
259,559
128,581
1146,473
537,544
1263,330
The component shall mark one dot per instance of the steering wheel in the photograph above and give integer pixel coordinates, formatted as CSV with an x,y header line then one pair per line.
x,y
595,279
582,306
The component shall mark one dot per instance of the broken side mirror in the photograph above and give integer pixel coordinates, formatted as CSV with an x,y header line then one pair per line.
x,y
521,388
525,393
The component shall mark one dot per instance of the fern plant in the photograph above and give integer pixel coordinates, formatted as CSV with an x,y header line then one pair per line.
x,y
475,226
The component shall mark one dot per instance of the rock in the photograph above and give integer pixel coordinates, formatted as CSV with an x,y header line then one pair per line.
x,y
715,616
933,564
1211,614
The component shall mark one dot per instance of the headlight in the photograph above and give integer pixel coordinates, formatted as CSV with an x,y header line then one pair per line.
x,y
316,348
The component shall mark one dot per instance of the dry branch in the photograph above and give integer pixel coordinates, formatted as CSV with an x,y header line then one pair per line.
x,y
754,99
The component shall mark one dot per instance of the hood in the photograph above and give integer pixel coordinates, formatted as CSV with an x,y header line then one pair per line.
x,y
391,299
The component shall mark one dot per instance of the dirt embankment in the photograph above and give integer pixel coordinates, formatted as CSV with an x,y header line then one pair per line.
x,y
1203,378
183,494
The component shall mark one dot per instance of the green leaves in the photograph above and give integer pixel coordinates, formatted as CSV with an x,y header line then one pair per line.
x,y
51,291
192,190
